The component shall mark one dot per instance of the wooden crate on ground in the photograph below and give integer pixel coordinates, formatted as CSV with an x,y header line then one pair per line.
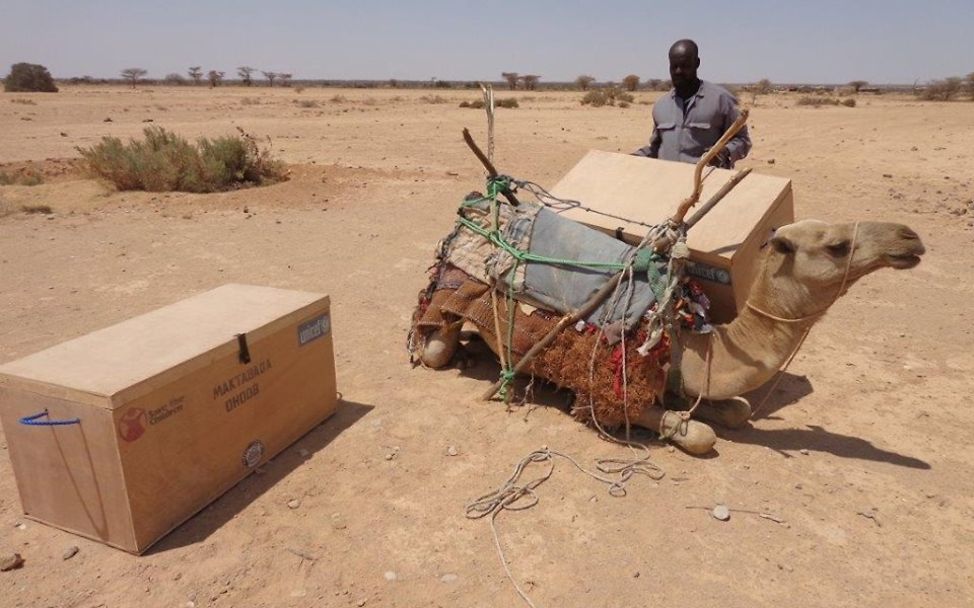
x,y
724,245
163,413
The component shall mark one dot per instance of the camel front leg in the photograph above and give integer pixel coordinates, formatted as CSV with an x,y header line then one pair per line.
x,y
731,413
441,345
692,436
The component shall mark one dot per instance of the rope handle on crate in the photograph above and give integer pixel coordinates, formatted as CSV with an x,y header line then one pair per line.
x,y
33,420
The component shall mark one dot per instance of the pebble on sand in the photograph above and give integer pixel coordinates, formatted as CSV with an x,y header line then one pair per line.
x,y
70,552
294,503
721,512
10,561
452,451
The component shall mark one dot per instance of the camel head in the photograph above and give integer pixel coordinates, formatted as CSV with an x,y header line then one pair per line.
x,y
806,262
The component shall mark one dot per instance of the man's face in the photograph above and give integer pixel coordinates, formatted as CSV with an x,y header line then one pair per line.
x,y
683,67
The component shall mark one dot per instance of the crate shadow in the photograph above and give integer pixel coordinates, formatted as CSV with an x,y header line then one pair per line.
x,y
199,527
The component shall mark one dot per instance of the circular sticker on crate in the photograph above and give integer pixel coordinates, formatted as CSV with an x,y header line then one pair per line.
x,y
253,454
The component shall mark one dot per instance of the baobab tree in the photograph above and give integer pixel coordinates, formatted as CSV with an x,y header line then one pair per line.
x,y
244,72
270,76
133,75
584,81
214,77
530,81
511,78
196,73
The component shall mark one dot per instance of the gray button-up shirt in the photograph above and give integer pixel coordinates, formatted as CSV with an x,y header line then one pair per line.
x,y
685,130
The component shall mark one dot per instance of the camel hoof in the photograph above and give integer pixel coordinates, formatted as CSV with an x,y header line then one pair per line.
x,y
733,413
440,346
691,436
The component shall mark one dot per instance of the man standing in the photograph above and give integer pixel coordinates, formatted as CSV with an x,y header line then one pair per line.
x,y
693,115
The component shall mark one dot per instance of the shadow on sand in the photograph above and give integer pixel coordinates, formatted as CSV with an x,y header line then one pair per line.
x,y
199,527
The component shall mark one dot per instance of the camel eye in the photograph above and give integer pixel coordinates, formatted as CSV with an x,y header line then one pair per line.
x,y
838,250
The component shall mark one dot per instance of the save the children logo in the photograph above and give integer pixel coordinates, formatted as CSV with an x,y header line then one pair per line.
x,y
131,424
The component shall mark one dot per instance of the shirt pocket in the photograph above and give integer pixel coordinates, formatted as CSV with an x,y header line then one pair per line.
x,y
666,126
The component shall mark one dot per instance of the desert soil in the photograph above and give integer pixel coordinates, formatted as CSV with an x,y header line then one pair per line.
x,y
860,453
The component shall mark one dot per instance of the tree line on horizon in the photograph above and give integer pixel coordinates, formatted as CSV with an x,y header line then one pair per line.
x,y
27,77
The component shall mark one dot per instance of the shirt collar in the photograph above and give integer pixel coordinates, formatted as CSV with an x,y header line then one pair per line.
x,y
699,92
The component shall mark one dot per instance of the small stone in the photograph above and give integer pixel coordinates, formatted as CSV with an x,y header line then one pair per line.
x,y
721,512
390,575
670,449
390,455
635,574
360,603
70,552
189,604
452,451
294,503
887,175
449,578
338,522
10,561
21,526
804,451
246,210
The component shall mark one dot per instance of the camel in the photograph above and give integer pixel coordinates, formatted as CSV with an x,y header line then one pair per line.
x,y
805,268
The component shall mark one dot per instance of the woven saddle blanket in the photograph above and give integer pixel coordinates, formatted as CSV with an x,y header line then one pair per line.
x,y
578,260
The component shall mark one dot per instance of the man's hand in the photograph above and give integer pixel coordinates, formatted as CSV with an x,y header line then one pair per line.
x,y
722,159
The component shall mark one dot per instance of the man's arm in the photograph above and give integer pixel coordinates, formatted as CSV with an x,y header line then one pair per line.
x,y
652,150
739,145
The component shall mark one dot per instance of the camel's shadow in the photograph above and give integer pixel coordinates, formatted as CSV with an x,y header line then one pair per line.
x,y
481,364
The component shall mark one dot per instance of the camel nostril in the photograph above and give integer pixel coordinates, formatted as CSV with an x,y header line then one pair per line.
x,y
909,234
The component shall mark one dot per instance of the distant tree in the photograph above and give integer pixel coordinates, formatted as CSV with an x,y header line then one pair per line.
x,y
858,84
175,78
393,83
584,82
511,78
654,84
271,77
763,87
970,85
196,73
530,81
285,79
27,78
942,90
133,75
631,82
245,74
215,77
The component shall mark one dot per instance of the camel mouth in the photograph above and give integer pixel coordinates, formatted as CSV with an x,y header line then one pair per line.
x,y
903,260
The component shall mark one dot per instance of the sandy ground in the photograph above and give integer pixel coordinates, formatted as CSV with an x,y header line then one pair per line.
x,y
861,452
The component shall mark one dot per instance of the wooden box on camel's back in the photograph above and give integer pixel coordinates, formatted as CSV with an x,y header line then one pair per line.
x,y
724,245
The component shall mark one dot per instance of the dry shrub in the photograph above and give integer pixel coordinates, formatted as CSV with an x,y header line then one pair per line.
x,y
23,101
249,101
817,101
32,209
608,96
433,99
339,99
510,102
849,103
307,103
942,90
21,178
476,104
370,101
164,162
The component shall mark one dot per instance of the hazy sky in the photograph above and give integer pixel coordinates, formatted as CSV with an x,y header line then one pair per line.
x,y
882,41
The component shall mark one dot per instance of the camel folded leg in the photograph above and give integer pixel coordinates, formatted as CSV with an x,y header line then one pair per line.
x,y
692,436
440,346
730,413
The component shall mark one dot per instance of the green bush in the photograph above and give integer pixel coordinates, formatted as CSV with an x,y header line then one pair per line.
x,y
164,161
29,77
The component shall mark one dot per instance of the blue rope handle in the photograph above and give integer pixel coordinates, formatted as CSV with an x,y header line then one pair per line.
x,y
33,420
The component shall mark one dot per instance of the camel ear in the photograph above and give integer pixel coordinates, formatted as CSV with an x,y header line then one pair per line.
x,y
782,245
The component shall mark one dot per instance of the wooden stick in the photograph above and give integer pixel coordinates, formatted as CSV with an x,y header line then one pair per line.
x,y
691,200
570,319
716,198
491,170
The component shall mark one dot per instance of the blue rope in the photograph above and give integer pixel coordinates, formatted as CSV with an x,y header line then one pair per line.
x,y
33,420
